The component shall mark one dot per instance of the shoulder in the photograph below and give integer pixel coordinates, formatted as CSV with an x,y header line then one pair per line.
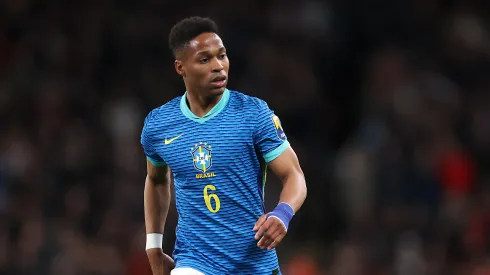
x,y
247,103
158,117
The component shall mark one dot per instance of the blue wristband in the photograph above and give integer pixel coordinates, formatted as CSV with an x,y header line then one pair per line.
x,y
284,212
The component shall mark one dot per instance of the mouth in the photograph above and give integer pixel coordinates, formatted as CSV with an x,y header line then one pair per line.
x,y
219,81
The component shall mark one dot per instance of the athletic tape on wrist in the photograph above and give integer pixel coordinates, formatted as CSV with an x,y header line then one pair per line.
x,y
154,240
283,212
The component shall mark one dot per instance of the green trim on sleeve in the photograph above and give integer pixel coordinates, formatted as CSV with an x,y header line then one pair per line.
x,y
156,163
272,155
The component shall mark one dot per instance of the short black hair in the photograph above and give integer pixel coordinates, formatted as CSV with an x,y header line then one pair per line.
x,y
187,29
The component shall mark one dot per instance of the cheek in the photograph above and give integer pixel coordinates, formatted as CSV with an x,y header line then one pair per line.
x,y
202,75
226,64
197,73
200,78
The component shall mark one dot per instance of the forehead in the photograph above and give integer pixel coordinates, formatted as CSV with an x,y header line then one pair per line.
x,y
205,42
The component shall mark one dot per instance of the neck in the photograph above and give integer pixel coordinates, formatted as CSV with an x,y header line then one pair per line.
x,y
201,105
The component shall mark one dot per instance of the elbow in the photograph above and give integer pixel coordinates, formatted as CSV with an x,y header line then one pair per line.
x,y
300,183
149,181
302,180
304,189
157,180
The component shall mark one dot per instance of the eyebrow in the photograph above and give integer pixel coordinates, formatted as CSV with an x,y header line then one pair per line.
x,y
207,52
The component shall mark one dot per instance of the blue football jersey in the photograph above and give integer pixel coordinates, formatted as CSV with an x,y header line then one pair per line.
x,y
219,165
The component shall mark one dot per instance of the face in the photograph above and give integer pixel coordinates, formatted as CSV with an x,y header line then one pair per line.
x,y
204,65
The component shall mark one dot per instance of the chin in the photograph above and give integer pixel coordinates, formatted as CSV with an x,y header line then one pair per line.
x,y
217,91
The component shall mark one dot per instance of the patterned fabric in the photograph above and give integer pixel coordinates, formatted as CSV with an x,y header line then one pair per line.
x,y
219,163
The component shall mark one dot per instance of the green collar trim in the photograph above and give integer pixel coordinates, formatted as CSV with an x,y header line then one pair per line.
x,y
212,113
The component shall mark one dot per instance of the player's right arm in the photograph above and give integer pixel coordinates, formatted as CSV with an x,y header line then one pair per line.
x,y
157,197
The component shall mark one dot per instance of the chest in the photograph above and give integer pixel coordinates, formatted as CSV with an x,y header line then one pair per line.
x,y
203,150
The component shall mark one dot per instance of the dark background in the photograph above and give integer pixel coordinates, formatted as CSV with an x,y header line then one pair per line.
x,y
385,102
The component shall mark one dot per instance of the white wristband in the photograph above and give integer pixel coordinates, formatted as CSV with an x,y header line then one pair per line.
x,y
154,240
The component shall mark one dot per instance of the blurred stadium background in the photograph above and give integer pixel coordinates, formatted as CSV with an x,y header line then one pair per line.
x,y
386,103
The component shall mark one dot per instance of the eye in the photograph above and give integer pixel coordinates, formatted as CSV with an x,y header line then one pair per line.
x,y
203,60
222,56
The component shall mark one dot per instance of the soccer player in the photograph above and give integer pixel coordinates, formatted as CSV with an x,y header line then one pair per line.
x,y
217,143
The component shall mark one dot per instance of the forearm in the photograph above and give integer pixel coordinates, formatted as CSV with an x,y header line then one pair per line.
x,y
157,198
294,190
272,227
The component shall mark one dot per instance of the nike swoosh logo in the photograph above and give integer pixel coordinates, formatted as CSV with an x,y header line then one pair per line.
x,y
168,141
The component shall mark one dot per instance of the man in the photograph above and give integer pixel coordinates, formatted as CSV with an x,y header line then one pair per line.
x,y
217,144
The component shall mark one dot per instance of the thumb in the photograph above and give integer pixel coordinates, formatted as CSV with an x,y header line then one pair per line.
x,y
260,222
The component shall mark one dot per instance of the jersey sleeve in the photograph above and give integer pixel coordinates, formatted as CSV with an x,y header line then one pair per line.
x,y
147,141
269,137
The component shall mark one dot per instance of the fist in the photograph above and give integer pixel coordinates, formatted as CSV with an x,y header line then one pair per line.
x,y
270,232
160,263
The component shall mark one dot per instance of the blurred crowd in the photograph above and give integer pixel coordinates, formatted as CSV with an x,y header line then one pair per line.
x,y
385,102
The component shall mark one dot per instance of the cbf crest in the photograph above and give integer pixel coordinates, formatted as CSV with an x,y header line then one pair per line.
x,y
202,159
277,125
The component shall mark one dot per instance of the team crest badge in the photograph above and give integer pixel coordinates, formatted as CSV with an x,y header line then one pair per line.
x,y
278,127
201,155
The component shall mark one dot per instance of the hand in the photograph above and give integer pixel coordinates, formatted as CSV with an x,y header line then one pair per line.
x,y
271,231
160,263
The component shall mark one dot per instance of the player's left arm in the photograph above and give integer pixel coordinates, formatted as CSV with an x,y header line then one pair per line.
x,y
272,227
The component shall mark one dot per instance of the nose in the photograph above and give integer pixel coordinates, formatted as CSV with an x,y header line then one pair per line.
x,y
217,65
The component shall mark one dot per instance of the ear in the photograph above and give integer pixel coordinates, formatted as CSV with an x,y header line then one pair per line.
x,y
179,67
